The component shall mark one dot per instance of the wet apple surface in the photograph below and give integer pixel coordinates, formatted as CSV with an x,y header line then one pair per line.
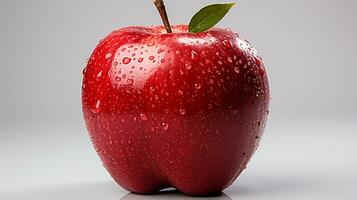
x,y
185,110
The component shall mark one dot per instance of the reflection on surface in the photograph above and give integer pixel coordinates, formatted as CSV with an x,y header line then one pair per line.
x,y
170,194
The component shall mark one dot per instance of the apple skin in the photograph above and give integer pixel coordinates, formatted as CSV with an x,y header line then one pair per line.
x,y
176,110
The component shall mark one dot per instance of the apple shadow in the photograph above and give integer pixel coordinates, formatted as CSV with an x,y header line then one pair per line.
x,y
263,186
260,187
170,194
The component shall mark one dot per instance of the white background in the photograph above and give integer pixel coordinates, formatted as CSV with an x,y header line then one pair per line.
x,y
309,147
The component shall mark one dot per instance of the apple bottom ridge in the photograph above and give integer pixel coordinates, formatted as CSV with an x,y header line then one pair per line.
x,y
197,186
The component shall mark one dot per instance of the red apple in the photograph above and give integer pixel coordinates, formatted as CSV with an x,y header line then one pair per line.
x,y
183,110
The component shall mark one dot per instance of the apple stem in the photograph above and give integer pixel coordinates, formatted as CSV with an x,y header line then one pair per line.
x,y
162,10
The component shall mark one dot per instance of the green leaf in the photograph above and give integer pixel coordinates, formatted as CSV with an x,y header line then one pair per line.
x,y
209,16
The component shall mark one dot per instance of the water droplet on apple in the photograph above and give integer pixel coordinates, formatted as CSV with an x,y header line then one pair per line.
x,y
140,60
84,70
99,74
163,60
258,123
150,44
126,60
115,63
182,111
226,43
194,55
230,59
108,55
220,62
197,86
130,81
188,66
143,117
240,61
160,51
151,57
117,79
203,53
236,69
164,126
97,107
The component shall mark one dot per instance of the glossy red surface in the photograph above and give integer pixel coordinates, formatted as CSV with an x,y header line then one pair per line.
x,y
182,110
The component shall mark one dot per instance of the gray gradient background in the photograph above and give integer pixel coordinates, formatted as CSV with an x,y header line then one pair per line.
x,y
309,147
